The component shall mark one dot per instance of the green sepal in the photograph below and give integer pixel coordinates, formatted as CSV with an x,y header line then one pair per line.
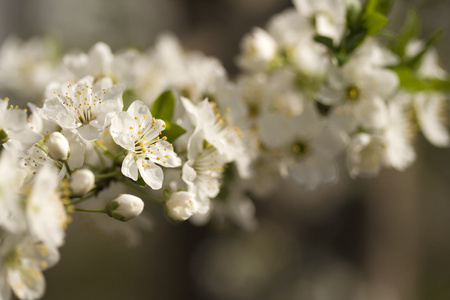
x,y
140,182
118,217
110,207
3,136
166,194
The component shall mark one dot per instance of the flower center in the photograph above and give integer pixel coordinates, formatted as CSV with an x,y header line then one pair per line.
x,y
300,149
352,93
12,259
81,102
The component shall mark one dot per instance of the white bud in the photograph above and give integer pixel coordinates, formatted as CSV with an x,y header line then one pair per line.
x,y
181,206
125,207
58,146
81,181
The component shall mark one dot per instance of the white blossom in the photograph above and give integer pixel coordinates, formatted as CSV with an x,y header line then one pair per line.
x,y
138,132
45,212
259,49
14,131
85,107
203,170
12,217
22,261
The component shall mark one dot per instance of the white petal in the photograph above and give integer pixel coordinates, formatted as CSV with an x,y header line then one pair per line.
x,y
88,132
153,175
119,130
129,167
139,109
189,173
27,283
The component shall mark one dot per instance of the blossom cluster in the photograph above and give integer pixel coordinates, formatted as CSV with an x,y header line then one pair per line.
x,y
316,85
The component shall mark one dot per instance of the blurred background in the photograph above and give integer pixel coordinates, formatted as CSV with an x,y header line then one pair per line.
x,y
386,238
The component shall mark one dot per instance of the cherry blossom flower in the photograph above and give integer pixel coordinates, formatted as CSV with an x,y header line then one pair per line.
x,y
138,132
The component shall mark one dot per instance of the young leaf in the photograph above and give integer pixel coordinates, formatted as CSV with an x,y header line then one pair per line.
x,y
163,106
324,40
173,131
410,30
374,22
409,81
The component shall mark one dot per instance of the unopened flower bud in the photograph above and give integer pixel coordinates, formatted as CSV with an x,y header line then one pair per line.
x,y
181,206
125,207
81,181
58,146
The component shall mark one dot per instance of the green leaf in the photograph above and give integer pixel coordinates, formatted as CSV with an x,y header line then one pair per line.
x,y
128,97
410,29
409,81
163,106
370,7
374,22
173,131
384,6
354,40
378,6
324,40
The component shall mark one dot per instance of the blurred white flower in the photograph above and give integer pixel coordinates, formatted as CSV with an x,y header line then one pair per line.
x,y
98,62
258,50
12,217
430,108
327,15
22,261
45,212
365,155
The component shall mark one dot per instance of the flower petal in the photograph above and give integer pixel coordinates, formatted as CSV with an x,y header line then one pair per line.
x,y
129,167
